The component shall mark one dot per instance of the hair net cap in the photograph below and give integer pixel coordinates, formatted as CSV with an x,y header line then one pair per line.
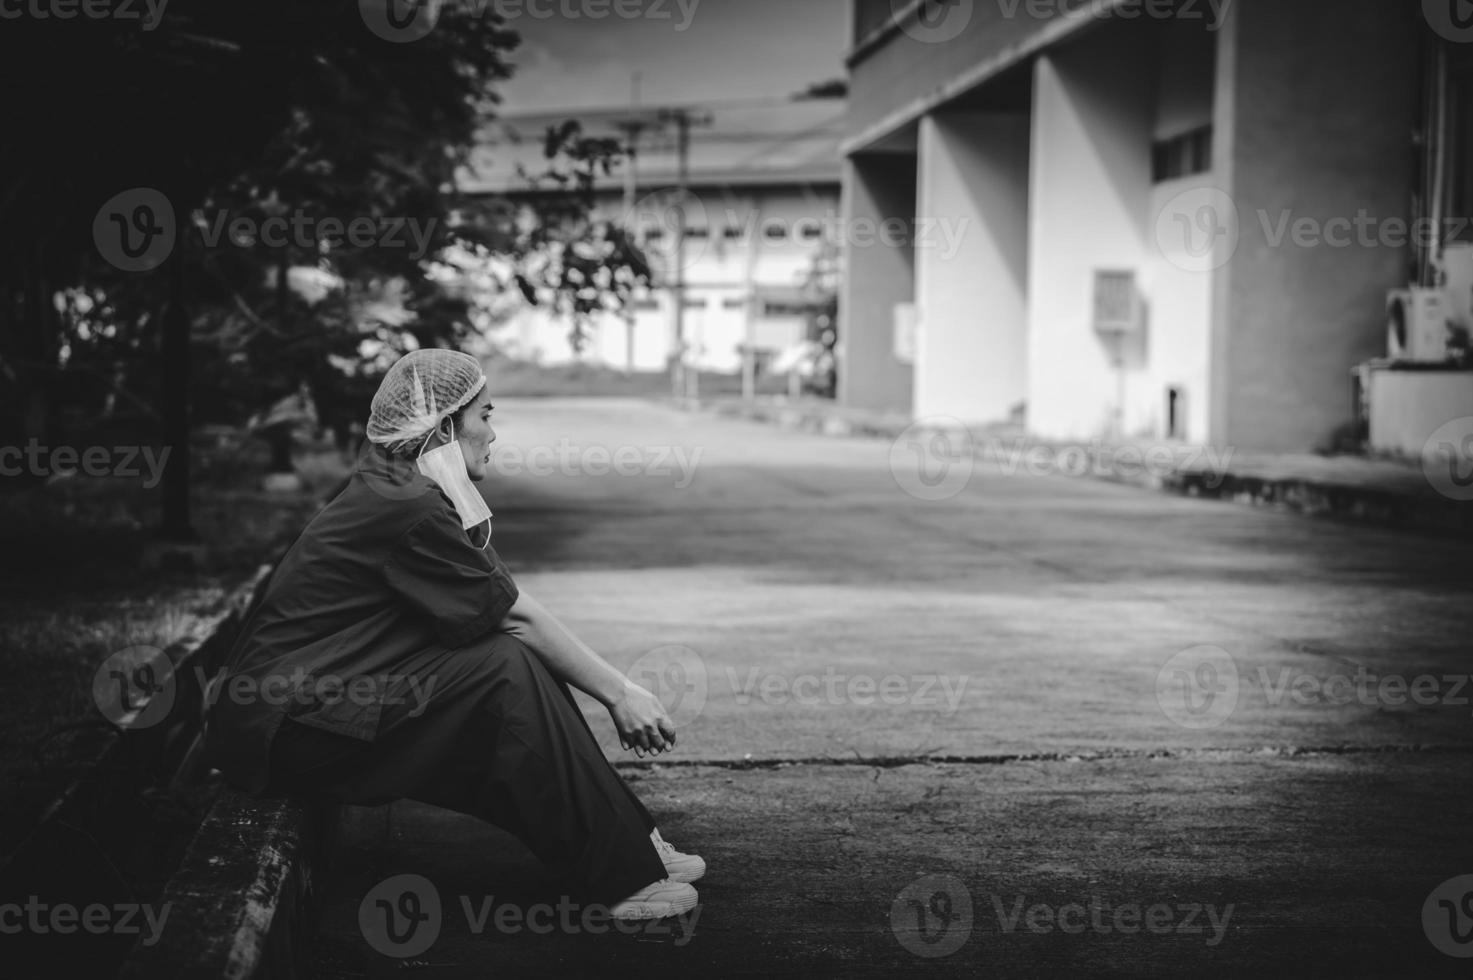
x,y
420,389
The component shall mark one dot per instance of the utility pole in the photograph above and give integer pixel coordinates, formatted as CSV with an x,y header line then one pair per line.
x,y
749,357
686,386
631,129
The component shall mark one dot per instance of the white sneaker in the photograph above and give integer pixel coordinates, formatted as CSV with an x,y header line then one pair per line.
x,y
680,867
661,900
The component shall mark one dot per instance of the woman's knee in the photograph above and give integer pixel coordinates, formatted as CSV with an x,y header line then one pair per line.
x,y
497,659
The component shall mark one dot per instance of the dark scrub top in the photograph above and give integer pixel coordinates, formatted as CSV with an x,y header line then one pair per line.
x,y
379,585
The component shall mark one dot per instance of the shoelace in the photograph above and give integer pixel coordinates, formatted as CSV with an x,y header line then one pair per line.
x,y
662,845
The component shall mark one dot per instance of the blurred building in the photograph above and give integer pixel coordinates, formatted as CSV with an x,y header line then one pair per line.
x,y
763,199
1156,218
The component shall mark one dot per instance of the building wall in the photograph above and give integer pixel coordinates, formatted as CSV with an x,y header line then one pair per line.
x,y
1178,328
972,266
1186,55
877,188
921,65
1317,100
1312,104
535,335
1091,183
779,231
1178,291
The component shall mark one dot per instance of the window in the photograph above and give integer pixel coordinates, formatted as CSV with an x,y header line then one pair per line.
x,y
1181,156
1458,152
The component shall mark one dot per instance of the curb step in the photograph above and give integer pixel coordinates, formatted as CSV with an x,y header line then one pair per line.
x,y
1375,506
244,902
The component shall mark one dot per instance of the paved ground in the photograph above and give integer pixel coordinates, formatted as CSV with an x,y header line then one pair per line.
x,y
1038,724
1414,494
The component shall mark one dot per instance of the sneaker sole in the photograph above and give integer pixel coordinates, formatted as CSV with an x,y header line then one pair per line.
x,y
641,911
686,871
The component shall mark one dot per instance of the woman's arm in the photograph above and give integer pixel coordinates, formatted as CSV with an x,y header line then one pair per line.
x,y
638,715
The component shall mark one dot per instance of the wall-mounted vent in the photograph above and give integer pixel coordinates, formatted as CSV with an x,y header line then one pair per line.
x,y
1117,302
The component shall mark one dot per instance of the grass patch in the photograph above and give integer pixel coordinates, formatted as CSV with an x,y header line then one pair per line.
x,y
73,592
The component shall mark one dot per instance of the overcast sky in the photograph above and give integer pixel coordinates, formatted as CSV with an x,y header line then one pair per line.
x,y
687,50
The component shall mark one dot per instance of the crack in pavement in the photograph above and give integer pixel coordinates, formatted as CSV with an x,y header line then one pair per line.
x,y
895,762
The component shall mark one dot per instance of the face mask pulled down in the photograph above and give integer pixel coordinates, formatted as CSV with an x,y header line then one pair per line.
x,y
446,466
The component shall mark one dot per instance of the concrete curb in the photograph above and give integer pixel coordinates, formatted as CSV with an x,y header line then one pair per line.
x,y
243,900
92,818
1424,511
1362,505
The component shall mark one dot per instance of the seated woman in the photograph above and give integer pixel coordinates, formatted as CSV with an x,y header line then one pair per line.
x,y
391,656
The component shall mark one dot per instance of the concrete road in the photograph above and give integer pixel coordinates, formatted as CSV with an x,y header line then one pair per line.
x,y
943,717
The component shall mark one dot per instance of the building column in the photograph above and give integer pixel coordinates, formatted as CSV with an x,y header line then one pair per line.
x,y
971,255
1314,124
879,209
1093,115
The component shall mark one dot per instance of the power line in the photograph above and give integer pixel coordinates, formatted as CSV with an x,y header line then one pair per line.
x,y
670,143
795,137
693,107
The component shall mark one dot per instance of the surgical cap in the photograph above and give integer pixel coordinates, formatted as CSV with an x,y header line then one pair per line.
x,y
420,389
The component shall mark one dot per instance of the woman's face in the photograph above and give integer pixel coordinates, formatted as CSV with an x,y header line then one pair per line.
x,y
475,435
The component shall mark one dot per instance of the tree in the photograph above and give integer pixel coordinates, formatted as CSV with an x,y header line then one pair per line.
x,y
226,117
560,256
225,106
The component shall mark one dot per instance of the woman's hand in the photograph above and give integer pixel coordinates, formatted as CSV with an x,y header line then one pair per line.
x,y
642,722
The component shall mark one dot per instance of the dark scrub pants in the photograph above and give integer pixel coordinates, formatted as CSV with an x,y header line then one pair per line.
x,y
509,745
384,586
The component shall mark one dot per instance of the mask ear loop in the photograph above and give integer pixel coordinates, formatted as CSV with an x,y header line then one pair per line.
x,y
488,535
431,434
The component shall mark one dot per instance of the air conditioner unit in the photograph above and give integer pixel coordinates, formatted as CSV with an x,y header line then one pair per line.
x,y
1416,324
1117,303
1455,277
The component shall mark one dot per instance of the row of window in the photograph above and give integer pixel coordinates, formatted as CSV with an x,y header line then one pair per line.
x,y
809,232
770,308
